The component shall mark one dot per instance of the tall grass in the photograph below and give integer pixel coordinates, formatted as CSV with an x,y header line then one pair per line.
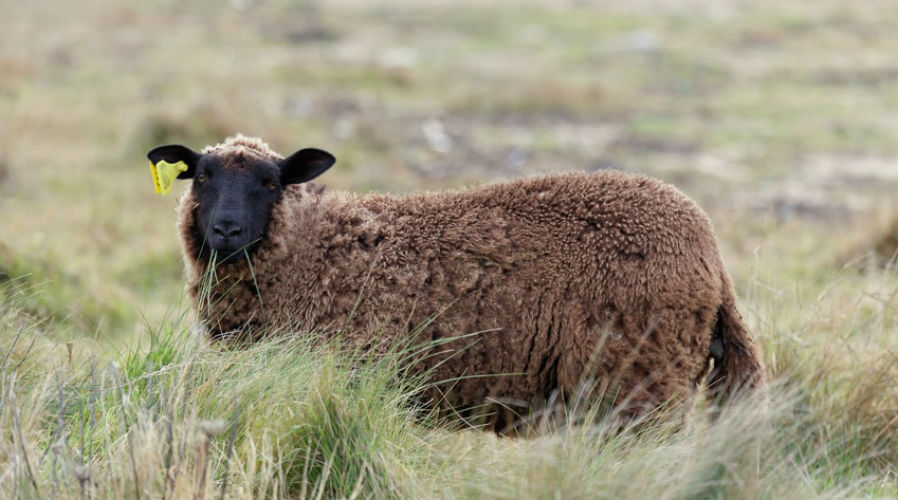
x,y
296,417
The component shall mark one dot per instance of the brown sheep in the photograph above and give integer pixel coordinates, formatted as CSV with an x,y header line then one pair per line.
x,y
612,274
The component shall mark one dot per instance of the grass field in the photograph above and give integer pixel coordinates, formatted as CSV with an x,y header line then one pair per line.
x,y
779,118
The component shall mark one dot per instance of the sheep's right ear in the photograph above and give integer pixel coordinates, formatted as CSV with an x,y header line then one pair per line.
x,y
305,165
174,153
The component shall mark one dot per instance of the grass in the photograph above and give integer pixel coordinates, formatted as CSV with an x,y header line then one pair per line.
x,y
779,118
296,417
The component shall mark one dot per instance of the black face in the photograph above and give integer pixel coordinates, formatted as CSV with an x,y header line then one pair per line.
x,y
235,196
234,206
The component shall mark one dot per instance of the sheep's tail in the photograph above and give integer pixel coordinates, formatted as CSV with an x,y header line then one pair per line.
x,y
736,367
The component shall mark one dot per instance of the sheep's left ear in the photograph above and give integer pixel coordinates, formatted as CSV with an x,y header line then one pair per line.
x,y
304,165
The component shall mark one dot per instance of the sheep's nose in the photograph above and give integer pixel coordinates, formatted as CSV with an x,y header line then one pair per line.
x,y
227,229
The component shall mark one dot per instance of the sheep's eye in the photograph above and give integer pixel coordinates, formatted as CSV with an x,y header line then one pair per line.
x,y
200,179
271,185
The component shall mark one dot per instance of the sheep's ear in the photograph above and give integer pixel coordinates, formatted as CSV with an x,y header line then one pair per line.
x,y
175,153
304,165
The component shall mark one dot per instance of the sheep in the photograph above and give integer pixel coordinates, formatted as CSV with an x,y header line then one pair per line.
x,y
611,275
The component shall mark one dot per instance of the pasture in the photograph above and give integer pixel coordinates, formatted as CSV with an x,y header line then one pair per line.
x,y
778,118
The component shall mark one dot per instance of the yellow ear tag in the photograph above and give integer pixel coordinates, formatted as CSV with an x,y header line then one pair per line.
x,y
164,175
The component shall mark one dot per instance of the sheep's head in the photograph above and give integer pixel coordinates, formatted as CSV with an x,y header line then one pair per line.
x,y
235,188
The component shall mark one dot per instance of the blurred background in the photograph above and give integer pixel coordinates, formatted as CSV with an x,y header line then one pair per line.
x,y
778,117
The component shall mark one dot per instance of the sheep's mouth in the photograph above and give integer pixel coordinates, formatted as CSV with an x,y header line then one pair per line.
x,y
228,252
228,257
